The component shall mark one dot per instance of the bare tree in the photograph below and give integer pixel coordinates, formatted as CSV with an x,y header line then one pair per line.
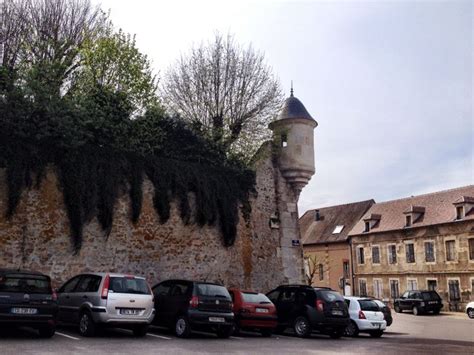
x,y
225,91
311,263
48,34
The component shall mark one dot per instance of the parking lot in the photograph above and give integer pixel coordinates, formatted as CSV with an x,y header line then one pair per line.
x,y
422,334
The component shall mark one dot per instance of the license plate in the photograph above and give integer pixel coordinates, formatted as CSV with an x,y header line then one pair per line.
x,y
24,310
129,312
337,312
216,319
377,325
261,310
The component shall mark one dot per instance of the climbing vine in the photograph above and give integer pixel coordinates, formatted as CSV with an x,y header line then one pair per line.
x,y
100,152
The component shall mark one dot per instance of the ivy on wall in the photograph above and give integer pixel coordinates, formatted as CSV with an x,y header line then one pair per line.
x,y
99,152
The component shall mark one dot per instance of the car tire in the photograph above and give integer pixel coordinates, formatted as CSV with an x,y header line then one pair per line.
x,y
376,333
86,325
140,331
182,328
416,311
397,309
46,332
352,330
302,327
470,313
266,332
224,332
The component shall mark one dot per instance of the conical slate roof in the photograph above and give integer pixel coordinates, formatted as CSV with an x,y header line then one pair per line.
x,y
294,108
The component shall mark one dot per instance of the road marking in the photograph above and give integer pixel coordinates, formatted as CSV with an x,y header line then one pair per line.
x,y
238,338
158,336
67,336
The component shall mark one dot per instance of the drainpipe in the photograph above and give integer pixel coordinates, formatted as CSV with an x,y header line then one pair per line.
x,y
352,267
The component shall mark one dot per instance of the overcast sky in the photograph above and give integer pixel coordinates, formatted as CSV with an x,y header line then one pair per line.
x,y
389,82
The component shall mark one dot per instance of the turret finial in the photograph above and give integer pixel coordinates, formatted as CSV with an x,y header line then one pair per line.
x,y
291,91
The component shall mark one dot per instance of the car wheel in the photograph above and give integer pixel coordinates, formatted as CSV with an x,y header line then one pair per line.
x,y
376,333
470,313
352,330
224,332
266,332
140,331
397,308
86,325
46,332
182,327
302,327
416,311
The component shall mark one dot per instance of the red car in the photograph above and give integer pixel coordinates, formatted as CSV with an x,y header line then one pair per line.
x,y
253,311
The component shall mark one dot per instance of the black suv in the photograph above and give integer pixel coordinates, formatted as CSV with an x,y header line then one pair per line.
x,y
187,305
419,302
307,309
27,299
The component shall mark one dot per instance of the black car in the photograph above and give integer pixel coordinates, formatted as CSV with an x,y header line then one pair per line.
x,y
307,309
387,313
27,299
419,302
187,305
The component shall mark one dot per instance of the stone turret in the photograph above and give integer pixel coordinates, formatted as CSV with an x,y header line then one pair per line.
x,y
293,132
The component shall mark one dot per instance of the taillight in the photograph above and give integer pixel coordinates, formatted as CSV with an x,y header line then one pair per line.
x,y
320,305
361,315
194,302
105,287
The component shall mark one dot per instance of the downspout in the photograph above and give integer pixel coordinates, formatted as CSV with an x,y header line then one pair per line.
x,y
352,267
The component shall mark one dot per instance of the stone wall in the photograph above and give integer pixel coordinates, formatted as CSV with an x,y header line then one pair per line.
x,y
37,238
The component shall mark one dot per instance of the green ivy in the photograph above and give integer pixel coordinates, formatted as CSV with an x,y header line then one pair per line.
x,y
100,152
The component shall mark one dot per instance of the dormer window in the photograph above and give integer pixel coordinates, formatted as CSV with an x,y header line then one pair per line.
x,y
317,216
338,229
408,221
464,206
414,215
459,212
367,226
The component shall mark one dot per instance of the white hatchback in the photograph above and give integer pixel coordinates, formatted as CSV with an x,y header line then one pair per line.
x,y
366,317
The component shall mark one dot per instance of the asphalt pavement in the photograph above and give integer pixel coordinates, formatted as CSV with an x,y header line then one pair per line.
x,y
443,334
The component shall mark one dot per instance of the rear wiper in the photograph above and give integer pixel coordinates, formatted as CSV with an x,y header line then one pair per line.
x,y
265,302
222,296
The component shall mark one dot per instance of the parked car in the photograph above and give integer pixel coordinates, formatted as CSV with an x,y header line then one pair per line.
x,y
419,302
106,299
306,309
27,299
385,309
185,306
253,311
470,310
366,317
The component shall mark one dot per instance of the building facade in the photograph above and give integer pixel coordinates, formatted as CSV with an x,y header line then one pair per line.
x,y
326,247
421,242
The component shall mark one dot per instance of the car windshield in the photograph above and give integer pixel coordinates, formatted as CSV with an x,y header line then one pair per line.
x,y
128,285
25,283
330,296
430,296
255,298
368,305
212,290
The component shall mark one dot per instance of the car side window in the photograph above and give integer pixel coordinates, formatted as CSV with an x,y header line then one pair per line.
x,y
288,296
273,296
89,283
179,289
301,297
70,285
162,289
405,295
83,284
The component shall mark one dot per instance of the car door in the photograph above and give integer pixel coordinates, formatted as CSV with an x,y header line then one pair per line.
x,y
403,300
287,302
79,296
161,293
64,299
179,297
274,296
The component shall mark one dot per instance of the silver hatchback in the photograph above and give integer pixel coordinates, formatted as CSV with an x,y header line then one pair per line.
x,y
106,299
